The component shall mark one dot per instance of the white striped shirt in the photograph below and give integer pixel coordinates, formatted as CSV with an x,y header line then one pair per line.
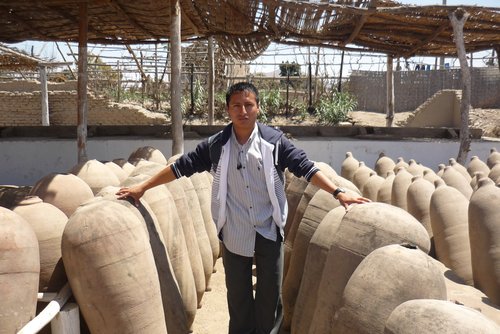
x,y
249,208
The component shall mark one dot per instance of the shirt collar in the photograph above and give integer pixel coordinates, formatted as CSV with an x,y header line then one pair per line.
x,y
253,135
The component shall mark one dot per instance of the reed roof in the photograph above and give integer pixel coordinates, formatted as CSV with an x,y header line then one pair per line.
x,y
245,28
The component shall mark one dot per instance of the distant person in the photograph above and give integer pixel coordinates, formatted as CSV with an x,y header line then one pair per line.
x,y
247,160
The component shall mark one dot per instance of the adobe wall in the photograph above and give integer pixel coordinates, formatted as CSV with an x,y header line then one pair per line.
x,y
412,88
441,110
20,105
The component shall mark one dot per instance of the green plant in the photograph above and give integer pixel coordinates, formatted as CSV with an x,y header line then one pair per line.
x,y
198,102
334,108
269,104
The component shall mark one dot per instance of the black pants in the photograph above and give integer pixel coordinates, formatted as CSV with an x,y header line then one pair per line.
x,y
262,314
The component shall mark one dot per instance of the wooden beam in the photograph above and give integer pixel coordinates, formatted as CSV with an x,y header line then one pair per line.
x,y
211,80
426,41
390,92
458,19
139,67
176,83
82,83
44,95
359,24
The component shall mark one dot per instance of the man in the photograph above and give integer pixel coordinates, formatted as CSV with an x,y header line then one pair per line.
x,y
249,206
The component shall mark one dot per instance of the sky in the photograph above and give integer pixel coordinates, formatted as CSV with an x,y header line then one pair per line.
x,y
279,53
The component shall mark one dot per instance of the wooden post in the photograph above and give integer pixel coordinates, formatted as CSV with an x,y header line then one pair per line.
x,y
390,92
211,81
176,84
458,18
82,83
45,95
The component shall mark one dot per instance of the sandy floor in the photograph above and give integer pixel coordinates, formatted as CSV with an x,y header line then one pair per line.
x,y
213,317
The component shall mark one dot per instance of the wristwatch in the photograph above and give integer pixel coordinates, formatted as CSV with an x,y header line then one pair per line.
x,y
337,192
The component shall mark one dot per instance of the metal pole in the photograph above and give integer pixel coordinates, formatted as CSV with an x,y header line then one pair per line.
x,y
339,88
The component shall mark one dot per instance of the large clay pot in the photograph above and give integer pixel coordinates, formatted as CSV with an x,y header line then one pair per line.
x,y
294,193
400,162
95,174
161,202
384,194
48,223
440,171
147,153
493,158
349,166
475,179
448,213
455,179
431,176
372,186
460,293
199,228
494,173
125,165
64,191
119,172
477,165
313,269
437,316
19,272
386,278
484,234
175,310
384,164
461,169
361,175
400,187
418,199
415,168
363,229
203,189
111,270
321,203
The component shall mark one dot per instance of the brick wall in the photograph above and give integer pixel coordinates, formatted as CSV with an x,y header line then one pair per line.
x,y
20,105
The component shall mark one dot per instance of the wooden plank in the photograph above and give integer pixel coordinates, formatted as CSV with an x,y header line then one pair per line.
x,y
44,95
390,92
176,83
67,321
82,84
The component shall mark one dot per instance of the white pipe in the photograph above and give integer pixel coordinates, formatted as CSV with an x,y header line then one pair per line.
x,y
48,313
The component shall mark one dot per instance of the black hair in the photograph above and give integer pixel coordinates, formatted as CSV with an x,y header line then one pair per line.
x,y
242,87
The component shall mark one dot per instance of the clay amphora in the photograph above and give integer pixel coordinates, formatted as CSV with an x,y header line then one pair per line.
x,y
361,175
19,272
484,234
461,169
64,191
313,269
111,270
415,168
440,171
294,193
117,170
399,191
321,203
477,165
431,176
48,223
147,153
386,278
372,186
448,212
455,179
363,229
384,164
400,162
437,316
95,174
384,194
349,166
493,158
494,173
418,199
475,179
125,165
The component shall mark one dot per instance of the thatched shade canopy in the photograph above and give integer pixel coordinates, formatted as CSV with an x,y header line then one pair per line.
x,y
244,28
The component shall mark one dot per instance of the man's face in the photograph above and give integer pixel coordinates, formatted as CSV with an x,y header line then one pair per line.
x,y
243,110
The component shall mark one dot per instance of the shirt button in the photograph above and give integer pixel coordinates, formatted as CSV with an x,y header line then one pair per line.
x,y
251,207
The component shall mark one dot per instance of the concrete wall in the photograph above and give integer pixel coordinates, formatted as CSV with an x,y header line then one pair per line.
x,y
23,161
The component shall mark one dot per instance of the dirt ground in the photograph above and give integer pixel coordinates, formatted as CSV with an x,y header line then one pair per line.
x,y
486,119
